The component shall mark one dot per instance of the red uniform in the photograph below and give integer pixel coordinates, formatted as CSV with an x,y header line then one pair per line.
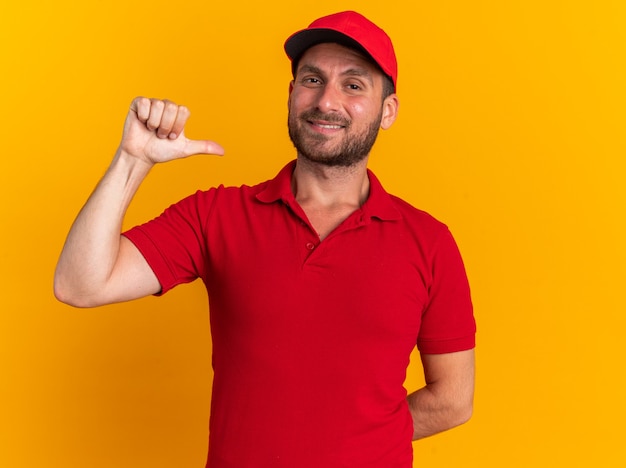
x,y
311,339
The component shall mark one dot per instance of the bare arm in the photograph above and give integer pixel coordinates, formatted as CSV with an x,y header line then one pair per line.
x,y
446,400
97,265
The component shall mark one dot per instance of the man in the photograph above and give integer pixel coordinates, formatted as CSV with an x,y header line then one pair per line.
x,y
320,283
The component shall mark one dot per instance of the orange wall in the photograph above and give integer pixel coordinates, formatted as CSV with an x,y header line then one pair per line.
x,y
511,130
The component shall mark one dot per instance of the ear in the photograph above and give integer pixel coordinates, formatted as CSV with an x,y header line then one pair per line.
x,y
390,111
290,91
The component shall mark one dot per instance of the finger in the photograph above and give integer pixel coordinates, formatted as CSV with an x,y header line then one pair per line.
x,y
156,113
203,147
179,124
141,106
170,112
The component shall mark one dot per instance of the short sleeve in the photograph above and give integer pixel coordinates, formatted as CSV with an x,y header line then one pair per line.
x,y
174,243
448,323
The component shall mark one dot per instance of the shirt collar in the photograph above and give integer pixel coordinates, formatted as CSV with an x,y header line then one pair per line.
x,y
379,203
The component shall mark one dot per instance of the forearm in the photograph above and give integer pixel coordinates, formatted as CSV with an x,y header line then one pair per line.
x,y
433,413
447,399
93,243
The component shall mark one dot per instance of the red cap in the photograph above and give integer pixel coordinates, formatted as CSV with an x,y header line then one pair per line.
x,y
352,30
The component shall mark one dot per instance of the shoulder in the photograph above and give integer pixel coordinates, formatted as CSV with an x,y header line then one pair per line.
x,y
413,213
386,206
226,194
417,219
422,233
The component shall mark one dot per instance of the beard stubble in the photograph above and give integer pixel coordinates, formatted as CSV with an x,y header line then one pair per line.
x,y
350,151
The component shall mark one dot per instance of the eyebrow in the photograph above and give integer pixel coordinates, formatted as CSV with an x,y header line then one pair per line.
x,y
360,72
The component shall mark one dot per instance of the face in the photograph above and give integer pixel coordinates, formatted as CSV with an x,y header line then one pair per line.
x,y
336,106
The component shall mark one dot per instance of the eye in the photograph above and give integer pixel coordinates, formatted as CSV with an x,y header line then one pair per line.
x,y
311,80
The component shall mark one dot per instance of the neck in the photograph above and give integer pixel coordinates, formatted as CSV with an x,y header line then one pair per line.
x,y
330,186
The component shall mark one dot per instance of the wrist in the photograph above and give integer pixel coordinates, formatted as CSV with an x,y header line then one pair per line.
x,y
129,162
127,170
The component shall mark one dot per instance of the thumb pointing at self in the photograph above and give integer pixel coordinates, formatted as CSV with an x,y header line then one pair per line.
x,y
202,147
155,131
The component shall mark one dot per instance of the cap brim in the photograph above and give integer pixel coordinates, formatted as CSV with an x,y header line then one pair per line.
x,y
299,42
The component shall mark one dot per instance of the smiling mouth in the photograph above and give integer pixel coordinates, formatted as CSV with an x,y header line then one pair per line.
x,y
325,122
327,126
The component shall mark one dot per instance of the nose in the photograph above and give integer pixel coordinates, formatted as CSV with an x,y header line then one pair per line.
x,y
329,99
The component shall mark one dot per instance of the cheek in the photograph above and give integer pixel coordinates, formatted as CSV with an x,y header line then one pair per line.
x,y
296,104
362,112
300,98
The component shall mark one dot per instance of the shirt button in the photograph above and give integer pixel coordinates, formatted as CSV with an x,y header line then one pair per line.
x,y
310,245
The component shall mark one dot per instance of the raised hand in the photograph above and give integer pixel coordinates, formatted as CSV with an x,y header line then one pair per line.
x,y
154,132
98,265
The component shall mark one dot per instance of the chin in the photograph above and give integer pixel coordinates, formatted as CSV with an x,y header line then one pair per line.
x,y
336,160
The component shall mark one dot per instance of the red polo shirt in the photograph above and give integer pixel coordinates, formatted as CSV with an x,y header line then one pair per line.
x,y
311,339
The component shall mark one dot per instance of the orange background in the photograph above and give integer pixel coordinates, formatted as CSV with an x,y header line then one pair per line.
x,y
511,130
